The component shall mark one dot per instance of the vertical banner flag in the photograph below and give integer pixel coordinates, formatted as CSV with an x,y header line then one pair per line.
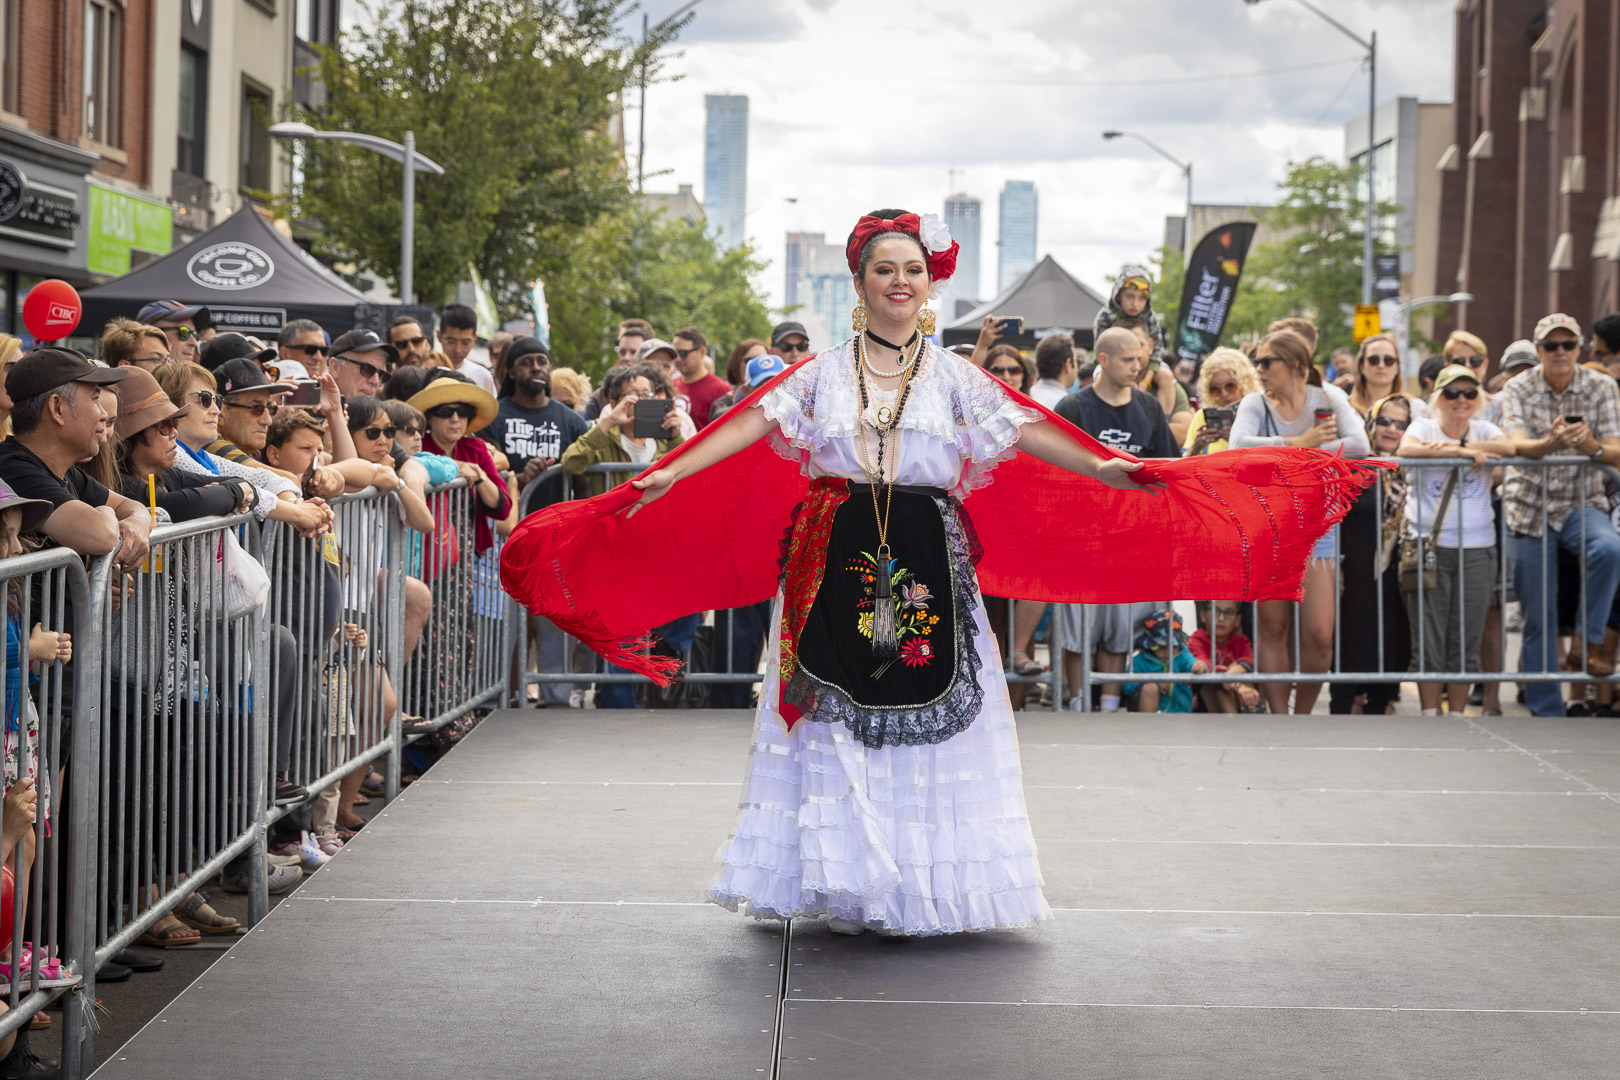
x,y
1211,282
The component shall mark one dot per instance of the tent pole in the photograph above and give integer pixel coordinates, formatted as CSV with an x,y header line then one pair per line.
x,y
408,228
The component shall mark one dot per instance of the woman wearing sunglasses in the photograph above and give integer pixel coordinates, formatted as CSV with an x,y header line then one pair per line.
x,y
148,429
1378,372
455,409
1465,543
374,431
1290,410
1006,363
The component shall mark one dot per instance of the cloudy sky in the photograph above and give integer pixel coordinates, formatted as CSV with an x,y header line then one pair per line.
x,y
856,104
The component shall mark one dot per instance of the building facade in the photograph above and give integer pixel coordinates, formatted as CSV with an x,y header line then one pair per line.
x,y
1409,140
818,289
725,167
1530,204
1020,211
962,214
683,205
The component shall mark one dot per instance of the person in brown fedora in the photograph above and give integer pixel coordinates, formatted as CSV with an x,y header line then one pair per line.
x,y
148,438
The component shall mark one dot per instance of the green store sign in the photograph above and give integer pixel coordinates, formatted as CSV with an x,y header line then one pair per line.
x,y
121,223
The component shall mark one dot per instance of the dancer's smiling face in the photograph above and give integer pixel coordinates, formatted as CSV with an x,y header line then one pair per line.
x,y
895,284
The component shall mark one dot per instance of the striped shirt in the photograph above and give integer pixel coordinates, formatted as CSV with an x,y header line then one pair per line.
x,y
1530,405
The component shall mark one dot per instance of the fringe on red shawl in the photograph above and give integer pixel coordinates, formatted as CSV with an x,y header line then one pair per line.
x,y
1238,525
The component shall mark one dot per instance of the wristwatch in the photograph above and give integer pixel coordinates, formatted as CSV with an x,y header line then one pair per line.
x,y
1597,455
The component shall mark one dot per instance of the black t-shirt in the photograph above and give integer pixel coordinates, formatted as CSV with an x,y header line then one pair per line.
x,y
530,433
32,479
1137,427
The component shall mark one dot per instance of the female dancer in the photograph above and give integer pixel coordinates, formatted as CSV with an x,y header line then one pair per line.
x,y
884,783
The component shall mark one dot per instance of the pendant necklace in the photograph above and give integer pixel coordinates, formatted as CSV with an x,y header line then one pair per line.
x,y
885,639
905,362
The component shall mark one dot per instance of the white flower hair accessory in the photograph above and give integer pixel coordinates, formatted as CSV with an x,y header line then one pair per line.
x,y
935,234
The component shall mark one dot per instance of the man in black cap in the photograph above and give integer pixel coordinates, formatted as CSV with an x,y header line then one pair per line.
x,y
179,321
360,362
790,342
55,419
232,346
531,428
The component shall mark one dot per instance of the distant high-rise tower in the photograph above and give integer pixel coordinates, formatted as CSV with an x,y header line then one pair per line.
x,y
1019,206
725,167
962,218
818,287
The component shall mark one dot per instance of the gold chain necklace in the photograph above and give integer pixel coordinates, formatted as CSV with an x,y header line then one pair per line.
x,y
885,641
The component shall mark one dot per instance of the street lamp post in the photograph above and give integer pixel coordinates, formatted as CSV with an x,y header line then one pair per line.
x,y
1371,45
407,156
1186,171
1409,306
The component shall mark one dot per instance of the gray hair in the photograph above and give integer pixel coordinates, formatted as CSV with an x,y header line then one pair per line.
x,y
297,329
27,413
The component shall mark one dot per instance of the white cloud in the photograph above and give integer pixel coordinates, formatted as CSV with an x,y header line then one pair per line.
x,y
855,105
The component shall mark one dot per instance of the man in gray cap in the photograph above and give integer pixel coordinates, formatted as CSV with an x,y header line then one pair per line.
x,y
790,342
57,422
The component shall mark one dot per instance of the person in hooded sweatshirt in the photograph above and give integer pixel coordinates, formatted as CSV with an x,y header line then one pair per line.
x,y
1133,298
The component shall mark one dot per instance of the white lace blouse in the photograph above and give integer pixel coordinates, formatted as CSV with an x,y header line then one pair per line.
x,y
957,426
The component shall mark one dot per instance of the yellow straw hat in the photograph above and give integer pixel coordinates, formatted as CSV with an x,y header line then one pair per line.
x,y
442,391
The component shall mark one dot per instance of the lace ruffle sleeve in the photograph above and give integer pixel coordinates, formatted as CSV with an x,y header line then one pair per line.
x,y
987,422
792,407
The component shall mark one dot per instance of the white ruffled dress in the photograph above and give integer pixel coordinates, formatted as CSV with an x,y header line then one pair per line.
x,y
923,839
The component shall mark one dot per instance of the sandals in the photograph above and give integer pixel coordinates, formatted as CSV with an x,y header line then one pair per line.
x,y
171,937
50,969
372,784
1023,665
198,914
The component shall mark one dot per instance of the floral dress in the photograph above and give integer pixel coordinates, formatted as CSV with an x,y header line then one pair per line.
x,y
895,797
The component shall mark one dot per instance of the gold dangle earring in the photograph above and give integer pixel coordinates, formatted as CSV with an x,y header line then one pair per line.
x,y
926,321
857,318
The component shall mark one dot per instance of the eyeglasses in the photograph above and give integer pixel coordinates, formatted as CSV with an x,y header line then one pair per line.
x,y
367,371
379,432
1390,421
1227,613
445,412
184,333
1381,361
684,353
789,346
1222,388
312,350
206,398
1452,395
1555,346
412,431
166,428
418,340
1264,362
1472,361
258,409
1006,371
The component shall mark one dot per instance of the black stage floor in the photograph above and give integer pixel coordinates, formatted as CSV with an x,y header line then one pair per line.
x,y
1237,897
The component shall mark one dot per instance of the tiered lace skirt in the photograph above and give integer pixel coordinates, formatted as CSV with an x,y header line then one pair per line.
x,y
926,839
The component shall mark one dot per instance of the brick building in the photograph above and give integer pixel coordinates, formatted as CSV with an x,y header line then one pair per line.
x,y
1530,188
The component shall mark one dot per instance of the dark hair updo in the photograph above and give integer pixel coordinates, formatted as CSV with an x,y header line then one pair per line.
x,y
873,241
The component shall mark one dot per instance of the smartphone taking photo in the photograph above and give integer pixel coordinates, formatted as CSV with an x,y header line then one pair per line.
x,y
649,418
306,394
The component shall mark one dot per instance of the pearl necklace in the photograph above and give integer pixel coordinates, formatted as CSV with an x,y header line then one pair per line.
x,y
905,361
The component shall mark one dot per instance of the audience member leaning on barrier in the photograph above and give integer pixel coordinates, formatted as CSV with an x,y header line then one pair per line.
x,y
1226,378
1292,411
1559,407
1464,540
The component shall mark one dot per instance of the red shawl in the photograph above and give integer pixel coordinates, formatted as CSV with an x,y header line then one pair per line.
x,y
1238,525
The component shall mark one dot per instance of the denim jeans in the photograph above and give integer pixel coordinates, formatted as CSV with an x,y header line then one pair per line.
x,y
1535,580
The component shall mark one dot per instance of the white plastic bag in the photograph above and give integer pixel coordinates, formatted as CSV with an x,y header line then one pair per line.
x,y
246,584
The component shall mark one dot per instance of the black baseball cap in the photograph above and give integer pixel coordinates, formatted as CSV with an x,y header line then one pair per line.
x,y
363,341
173,310
783,329
43,370
241,374
231,346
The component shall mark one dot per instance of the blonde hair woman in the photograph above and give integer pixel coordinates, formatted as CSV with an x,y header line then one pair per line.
x,y
1470,352
10,353
1226,378
570,387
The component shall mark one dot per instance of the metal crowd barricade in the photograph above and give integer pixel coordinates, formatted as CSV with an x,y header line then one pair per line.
x,y
462,661
1423,667
565,652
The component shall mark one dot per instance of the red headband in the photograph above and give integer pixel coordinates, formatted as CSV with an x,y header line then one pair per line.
x,y
941,264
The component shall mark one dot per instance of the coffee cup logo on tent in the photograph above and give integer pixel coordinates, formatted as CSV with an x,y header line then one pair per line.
x,y
232,265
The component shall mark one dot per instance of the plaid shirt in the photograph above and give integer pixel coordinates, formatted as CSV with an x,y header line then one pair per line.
x,y
1529,404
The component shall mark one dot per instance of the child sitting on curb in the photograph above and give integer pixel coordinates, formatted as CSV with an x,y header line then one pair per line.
x,y
1161,647
1231,652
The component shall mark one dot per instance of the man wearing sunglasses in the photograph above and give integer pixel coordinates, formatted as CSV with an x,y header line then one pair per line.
x,y
1560,407
360,362
251,402
179,322
790,342
303,341
694,381
413,342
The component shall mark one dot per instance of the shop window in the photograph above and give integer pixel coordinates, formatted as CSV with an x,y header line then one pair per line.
x,y
193,110
10,61
254,174
103,70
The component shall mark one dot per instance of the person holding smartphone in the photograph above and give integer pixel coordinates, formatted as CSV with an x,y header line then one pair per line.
x,y
636,426
1225,379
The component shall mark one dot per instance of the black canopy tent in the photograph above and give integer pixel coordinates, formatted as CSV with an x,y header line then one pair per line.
x,y
1048,298
252,279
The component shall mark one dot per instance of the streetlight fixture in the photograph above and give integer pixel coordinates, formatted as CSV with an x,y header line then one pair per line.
x,y
1409,306
1186,171
407,156
1371,45
641,147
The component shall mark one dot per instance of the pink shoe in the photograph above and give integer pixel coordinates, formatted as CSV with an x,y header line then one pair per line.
x,y
51,969
329,845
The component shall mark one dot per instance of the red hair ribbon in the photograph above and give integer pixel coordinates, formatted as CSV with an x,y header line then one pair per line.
x,y
941,264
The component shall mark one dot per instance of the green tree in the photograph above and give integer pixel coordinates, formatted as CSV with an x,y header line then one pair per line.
x,y
1314,267
1169,269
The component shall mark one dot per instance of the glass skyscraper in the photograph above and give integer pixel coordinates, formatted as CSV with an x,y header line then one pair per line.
x,y
1019,210
962,218
725,167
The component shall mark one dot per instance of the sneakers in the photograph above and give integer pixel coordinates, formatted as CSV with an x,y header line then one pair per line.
x,y
283,860
281,878
306,848
289,793
23,1064
329,845
845,926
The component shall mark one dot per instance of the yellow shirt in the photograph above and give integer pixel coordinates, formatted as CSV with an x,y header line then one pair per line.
x,y
1214,447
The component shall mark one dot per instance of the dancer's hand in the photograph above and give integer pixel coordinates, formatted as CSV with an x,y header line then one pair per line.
x,y
1116,473
653,486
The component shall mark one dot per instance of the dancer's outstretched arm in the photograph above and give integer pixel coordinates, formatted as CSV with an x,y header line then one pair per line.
x,y
738,432
1045,440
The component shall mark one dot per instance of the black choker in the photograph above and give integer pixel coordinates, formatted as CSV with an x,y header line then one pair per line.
x,y
890,344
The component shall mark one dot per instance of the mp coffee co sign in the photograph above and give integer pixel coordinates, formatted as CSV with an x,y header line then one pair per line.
x,y
230,266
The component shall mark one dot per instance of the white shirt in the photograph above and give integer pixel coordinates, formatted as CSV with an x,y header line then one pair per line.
x,y
478,373
1471,499
640,455
1048,392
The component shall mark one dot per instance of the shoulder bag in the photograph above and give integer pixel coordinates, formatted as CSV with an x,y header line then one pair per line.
x,y
1409,562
